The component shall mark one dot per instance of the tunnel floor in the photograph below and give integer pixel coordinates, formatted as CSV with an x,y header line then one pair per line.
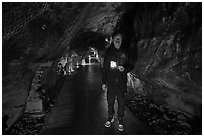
x,y
81,109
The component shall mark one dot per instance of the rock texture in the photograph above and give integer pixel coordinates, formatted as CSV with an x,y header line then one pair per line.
x,y
168,40
45,30
165,40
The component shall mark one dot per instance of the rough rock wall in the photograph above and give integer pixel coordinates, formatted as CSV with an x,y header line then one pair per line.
x,y
15,87
168,40
16,17
169,76
32,31
43,31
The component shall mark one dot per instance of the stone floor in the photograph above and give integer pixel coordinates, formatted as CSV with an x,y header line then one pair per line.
x,y
81,109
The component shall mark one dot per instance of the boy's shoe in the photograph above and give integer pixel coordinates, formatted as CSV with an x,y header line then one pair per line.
x,y
109,121
120,124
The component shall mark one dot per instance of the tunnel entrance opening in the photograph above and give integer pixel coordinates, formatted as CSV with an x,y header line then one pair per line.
x,y
86,39
91,57
90,46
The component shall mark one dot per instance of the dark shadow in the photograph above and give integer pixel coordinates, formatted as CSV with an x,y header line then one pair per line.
x,y
87,39
109,131
122,132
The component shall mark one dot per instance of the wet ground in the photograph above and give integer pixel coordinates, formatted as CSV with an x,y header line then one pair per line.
x,y
81,108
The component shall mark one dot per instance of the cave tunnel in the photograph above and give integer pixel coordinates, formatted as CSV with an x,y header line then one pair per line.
x,y
57,55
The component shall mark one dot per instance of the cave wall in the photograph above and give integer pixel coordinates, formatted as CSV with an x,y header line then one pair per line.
x,y
15,87
167,39
41,33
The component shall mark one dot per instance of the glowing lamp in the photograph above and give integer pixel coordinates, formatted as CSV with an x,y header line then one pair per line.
x,y
113,64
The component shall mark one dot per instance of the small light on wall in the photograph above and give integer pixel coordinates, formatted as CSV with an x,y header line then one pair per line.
x,y
43,27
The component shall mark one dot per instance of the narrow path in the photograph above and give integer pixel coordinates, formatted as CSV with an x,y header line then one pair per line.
x,y
81,109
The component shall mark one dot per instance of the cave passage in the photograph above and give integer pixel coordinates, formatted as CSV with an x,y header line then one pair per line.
x,y
53,53
81,108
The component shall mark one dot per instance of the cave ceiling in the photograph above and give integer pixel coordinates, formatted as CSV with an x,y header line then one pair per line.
x,y
45,31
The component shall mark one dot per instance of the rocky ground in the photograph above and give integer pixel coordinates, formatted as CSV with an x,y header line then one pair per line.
x,y
164,120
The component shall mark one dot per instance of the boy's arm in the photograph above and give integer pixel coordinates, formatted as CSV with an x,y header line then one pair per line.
x,y
128,65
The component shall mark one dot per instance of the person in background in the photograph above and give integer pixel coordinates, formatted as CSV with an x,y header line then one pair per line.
x,y
114,78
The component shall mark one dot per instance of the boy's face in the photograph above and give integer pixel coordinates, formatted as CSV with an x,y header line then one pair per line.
x,y
117,40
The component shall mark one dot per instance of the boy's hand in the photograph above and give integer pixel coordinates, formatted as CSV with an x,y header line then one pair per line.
x,y
104,87
121,68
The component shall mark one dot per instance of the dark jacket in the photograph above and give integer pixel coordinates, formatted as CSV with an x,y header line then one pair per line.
x,y
114,76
